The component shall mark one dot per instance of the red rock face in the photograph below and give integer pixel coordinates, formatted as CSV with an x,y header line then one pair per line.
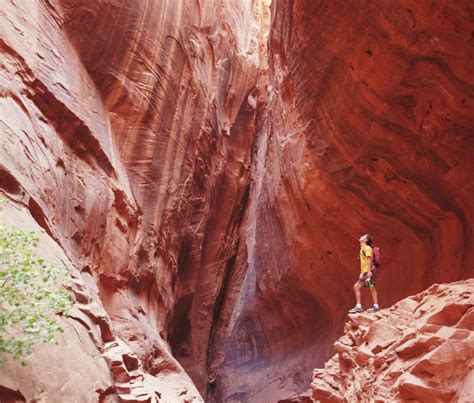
x,y
127,130
368,129
178,90
209,189
420,349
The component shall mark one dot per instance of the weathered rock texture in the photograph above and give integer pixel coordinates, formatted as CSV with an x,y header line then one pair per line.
x,y
211,188
75,368
366,126
127,130
421,349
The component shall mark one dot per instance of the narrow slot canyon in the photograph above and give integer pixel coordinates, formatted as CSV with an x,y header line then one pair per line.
x,y
204,170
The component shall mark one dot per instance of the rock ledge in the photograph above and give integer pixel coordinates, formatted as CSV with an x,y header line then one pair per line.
x,y
421,349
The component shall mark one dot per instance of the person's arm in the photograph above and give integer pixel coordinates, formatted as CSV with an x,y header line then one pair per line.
x,y
370,261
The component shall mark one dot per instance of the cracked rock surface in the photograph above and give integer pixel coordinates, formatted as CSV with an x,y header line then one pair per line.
x,y
420,349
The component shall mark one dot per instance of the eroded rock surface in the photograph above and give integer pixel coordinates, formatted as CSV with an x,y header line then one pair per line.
x,y
367,127
420,349
207,166
127,131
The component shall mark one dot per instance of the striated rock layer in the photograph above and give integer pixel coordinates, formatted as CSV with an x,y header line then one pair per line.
x,y
421,349
127,130
91,362
207,166
366,126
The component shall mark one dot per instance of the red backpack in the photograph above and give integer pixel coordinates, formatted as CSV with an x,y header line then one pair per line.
x,y
377,256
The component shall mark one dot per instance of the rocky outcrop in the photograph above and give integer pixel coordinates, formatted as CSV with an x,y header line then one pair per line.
x,y
420,349
90,361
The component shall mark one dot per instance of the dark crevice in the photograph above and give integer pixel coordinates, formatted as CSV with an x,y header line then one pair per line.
x,y
106,395
223,291
10,396
412,18
215,320
180,326
8,182
39,216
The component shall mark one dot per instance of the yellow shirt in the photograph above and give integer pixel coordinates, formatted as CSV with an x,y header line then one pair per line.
x,y
364,254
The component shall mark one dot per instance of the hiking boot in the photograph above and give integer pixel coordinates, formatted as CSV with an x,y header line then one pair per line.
x,y
373,309
356,309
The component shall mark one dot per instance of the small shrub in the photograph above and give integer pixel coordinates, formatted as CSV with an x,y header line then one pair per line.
x,y
31,293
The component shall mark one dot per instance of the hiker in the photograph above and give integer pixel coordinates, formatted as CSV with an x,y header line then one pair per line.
x,y
368,272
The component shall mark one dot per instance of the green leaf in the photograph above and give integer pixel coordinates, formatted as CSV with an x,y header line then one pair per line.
x,y
31,293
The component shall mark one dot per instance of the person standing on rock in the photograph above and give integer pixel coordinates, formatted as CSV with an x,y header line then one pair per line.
x,y
367,275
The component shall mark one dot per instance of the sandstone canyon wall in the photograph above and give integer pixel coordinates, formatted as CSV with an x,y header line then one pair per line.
x,y
207,166
367,128
421,349
127,130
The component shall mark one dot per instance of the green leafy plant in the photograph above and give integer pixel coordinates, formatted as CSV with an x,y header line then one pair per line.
x,y
31,294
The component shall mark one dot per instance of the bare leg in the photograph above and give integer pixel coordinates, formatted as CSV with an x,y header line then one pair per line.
x,y
373,291
357,287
